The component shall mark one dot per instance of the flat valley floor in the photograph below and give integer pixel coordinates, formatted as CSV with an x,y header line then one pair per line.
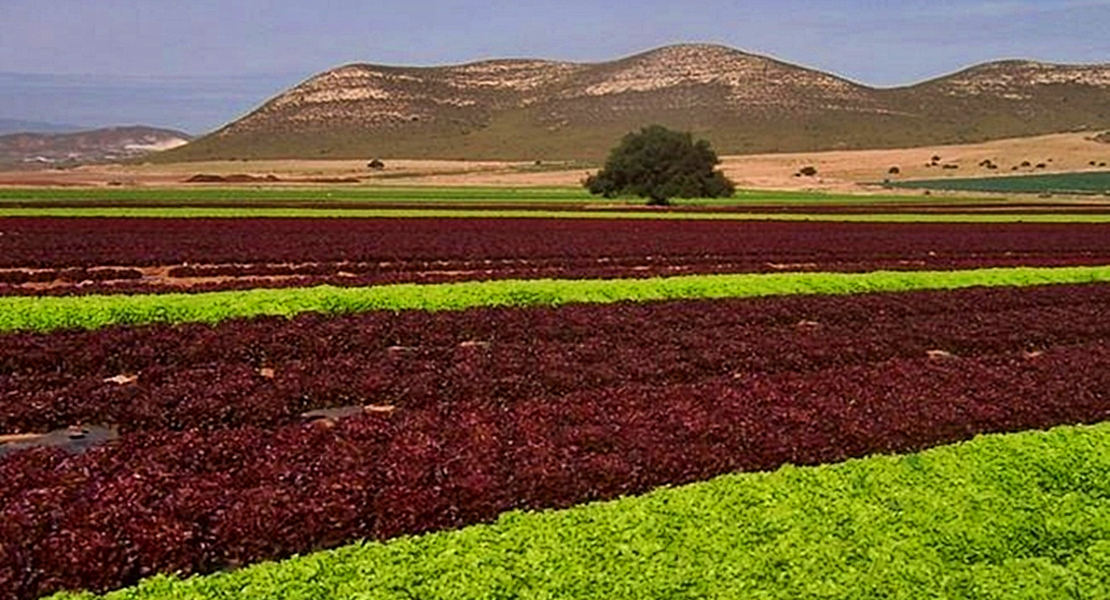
x,y
856,171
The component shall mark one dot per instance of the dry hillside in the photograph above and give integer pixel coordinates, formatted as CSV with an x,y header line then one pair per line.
x,y
744,103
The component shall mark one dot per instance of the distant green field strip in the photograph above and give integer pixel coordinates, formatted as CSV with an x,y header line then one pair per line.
x,y
437,213
1083,183
93,312
414,194
1023,515
301,194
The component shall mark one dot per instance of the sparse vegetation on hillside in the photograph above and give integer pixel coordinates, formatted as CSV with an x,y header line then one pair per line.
x,y
741,103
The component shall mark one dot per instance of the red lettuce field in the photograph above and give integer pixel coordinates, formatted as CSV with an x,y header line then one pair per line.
x,y
197,376
495,409
70,256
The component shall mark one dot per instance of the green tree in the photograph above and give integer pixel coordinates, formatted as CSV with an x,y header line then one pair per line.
x,y
658,164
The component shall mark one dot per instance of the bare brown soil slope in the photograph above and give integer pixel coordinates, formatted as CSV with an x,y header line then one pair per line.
x,y
743,103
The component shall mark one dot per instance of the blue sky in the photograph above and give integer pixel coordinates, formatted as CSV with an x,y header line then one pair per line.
x,y
206,61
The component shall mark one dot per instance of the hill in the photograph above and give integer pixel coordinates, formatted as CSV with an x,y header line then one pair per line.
x,y
96,145
8,126
743,103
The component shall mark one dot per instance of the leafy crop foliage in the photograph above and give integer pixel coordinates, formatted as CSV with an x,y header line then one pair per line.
x,y
201,377
70,254
1000,517
479,244
92,312
214,468
658,164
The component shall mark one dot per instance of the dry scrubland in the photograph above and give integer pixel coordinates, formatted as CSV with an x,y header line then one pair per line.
x,y
839,171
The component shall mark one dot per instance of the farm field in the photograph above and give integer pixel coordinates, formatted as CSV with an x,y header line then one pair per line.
x,y
490,405
59,256
953,520
316,195
367,196
853,171
1091,182
378,200
1037,214
502,409
95,311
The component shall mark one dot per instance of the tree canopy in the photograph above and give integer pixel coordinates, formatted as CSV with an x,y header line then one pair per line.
x,y
658,164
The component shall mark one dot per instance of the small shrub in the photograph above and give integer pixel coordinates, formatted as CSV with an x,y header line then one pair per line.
x,y
808,171
894,171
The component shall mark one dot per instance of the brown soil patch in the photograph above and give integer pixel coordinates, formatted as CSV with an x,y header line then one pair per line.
x,y
850,171
76,439
159,275
236,178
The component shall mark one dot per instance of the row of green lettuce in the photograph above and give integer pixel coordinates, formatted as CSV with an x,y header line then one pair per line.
x,y
97,311
1023,515
220,212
